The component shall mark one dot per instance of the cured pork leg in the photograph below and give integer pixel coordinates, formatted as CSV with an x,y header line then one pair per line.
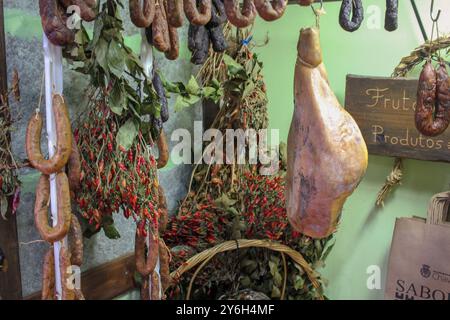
x,y
327,155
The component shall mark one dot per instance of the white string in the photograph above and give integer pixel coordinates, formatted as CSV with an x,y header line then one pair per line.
x,y
147,60
53,84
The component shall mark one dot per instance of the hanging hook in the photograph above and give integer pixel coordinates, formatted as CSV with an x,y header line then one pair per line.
x,y
434,19
318,12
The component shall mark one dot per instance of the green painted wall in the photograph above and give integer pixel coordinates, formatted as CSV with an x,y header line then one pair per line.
x,y
365,233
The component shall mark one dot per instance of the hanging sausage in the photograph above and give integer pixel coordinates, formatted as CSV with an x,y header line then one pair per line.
x,y
351,15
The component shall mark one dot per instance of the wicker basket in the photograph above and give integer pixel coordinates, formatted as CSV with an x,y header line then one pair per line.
x,y
204,257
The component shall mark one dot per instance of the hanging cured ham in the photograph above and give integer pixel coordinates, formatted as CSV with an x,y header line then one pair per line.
x,y
327,155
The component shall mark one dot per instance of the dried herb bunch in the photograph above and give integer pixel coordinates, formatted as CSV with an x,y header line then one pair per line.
x,y
116,133
9,180
113,178
227,201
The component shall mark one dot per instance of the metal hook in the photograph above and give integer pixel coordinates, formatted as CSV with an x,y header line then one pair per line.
x,y
317,12
431,12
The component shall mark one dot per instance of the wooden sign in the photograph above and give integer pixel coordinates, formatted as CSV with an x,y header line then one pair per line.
x,y
384,110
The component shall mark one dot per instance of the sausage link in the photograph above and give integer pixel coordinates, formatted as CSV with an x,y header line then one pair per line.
x,y
63,136
163,148
146,265
174,51
161,92
54,23
160,29
270,10
155,293
238,18
218,15
65,267
347,8
87,8
163,211
175,13
74,168
75,242
305,2
48,276
58,232
218,41
145,289
431,122
142,16
391,15
164,265
201,45
198,16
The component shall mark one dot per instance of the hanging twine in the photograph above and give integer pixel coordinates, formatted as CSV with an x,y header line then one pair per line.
x,y
406,64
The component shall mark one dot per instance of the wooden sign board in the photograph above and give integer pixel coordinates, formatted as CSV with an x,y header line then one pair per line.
x,y
384,111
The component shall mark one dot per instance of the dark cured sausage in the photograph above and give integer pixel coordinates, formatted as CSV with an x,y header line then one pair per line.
x,y
175,13
347,8
63,135
218,41
218,15
142,16
391,16
87,8
146,265
432,84
200,45
270,10
160,29
161,92
200,16
238,18
48,276
54,23
58,232
305,2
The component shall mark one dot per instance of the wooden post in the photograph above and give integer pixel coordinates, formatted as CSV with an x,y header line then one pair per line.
x,y
10,281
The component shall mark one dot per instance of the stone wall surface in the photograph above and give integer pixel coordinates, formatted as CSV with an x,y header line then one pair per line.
x,y
24,52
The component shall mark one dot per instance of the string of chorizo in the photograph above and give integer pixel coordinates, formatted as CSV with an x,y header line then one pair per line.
x,y
58,232
54,23
160,29
163,149
146,265
238,18
87,8
270,10
429,122
351,15
175,13
63,136
198,16
173,52
48,276
142,16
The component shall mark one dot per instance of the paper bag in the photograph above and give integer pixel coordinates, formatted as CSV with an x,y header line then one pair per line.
x,y
419,261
